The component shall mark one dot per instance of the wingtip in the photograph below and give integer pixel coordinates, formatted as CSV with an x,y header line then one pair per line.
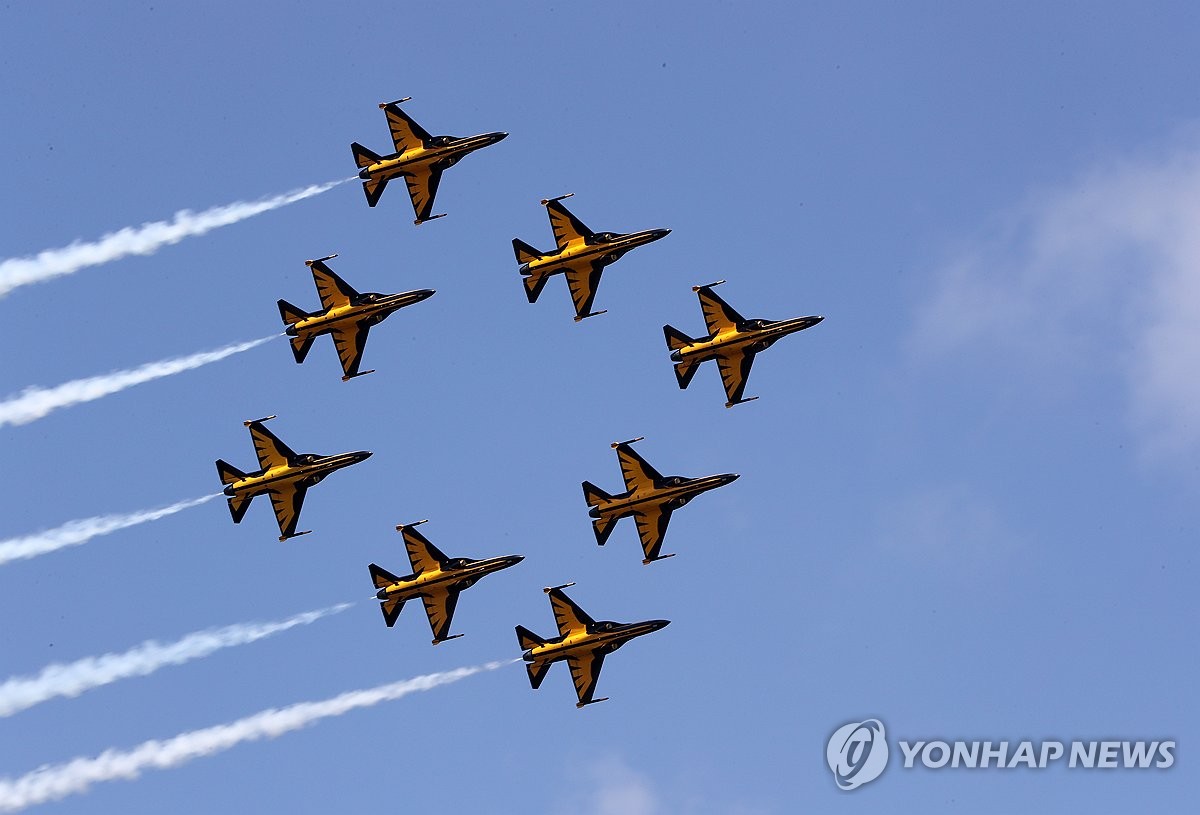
x,y
402,527
549,589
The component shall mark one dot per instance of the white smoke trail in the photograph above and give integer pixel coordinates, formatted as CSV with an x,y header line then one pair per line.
x,y
22,692
74,533
141,240
76,776
35,402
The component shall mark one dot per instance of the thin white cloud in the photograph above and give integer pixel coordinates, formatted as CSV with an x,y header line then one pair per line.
x,y
71,679
35,402
141,240
1101,275
51,783
76,533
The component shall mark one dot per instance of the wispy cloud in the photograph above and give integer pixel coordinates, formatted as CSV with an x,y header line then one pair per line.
x,y
71,679
61,780
35,402
75,533
141,240
1100,275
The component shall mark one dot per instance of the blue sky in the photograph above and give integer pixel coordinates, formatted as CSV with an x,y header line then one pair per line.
x,y
967,503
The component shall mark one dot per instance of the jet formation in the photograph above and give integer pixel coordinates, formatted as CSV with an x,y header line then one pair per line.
x,y
435,578
282,474
581,641
420,159
649,497
345,315
581,256
732,341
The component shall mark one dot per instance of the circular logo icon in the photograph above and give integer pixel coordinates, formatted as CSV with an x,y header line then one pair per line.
x,y
857,753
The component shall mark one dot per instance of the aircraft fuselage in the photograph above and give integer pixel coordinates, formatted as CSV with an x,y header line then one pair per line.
x,y
446,150
308,470
579,253
752,335
673,495
605,637
460,571
370,308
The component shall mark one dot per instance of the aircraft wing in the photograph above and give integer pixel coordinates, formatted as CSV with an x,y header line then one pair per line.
x,y
583,283
350,341
425,557
567,227
406,134
718,315
585,671
270,450
286,501
652,528
638,473
422,184
332,290
735,370
439,607
570,618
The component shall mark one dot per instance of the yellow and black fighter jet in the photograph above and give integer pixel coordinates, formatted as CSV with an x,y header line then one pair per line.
x,y
283,475
732,341
435,578
581,641
419,158
345,315
649,498
581,256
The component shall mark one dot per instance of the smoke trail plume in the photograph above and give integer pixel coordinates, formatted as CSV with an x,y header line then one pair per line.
x,y
22,692
140,240
74,533
35,402
76,776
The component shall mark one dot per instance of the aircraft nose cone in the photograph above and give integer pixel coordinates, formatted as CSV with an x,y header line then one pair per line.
x,y
817,319
361,455
499,137
658,625
513,560
425,294
660,233
731,477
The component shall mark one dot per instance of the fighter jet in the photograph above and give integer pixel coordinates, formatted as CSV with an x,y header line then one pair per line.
x,y
419,158
732,341
581,641
581,256
284,475
346,315
649,498
436,579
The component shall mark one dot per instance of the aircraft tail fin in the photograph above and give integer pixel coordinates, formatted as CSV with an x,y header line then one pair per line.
x,y
524,251
534,285
228,473
676,339
528,639
603,527
373,187
362,156
594,495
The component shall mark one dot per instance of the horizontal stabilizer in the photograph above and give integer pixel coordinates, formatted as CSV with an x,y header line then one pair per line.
x,y
528,639
374,188
524,251
290,314
238,505
382,577
594,495
537,672
534,285
364,157
229,474
603,527
684,371
676,339
300,346
391,611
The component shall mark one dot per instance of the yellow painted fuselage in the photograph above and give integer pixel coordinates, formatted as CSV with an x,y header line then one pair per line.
x,y
606,248
442,150
751,335
306,471
368,308
673,493
456,573
605,637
